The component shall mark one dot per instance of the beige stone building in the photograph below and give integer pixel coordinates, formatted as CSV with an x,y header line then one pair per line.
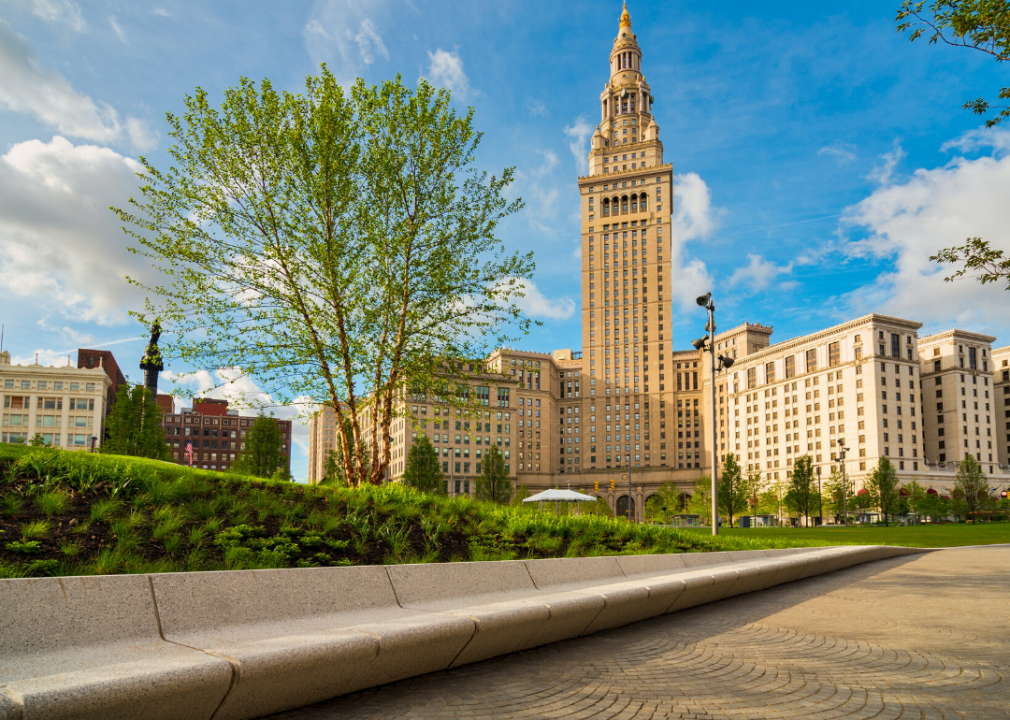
x,y
629,407
65,405
1001,405
855,383
957,398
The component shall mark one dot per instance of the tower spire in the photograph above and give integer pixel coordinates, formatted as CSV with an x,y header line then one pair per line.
x,y
625,17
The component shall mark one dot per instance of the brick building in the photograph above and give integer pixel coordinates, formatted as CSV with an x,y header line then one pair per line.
x,y
216,433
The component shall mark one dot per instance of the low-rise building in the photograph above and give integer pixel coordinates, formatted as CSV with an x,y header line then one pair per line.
x,y
66,405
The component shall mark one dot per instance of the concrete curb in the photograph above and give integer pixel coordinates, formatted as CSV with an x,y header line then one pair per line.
x,y
243,644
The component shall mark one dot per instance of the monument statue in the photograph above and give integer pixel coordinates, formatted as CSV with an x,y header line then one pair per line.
x,y
151,363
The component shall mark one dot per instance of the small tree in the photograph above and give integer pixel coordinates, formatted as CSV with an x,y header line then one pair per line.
x,y
882,487
38,441
971,486
734,489
494,484
262,453
424,470
134,426
701,499
915,494
802,493
838,493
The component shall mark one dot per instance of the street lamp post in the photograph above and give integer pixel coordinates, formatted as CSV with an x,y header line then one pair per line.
x,y
706,302
845,484
820,498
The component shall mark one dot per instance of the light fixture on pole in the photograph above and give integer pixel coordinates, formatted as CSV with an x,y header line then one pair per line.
x,y
845,485
702,344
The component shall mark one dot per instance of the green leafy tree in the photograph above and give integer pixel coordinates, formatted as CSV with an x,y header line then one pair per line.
x,y
38,441
935,506
735,489
982,25
134,426
971,486
424,469
882,488
522,492
977,259
336,247
915,493
801,495
838,493
262,453
493,483
665,501
335,469
701,499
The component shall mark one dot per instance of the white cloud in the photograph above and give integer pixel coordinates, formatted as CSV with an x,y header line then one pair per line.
x,y
694,218
345,34
842,152
61,248
47,358
242,393
65,12
26,87
536,305
882,173
979,139
446,69
537,108
758,274
160,11
118,30
66,332
934,209
579,133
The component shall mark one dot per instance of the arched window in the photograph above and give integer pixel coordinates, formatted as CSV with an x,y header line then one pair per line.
x,y
606,207
634,203
642,198
622,506
624,204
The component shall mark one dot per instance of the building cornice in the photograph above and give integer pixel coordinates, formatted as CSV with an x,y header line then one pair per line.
x,y
956,333
815,337
626,174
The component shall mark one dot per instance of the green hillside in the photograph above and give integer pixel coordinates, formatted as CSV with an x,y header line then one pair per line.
x,y
72,513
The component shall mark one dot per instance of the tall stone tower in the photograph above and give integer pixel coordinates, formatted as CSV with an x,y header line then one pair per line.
x,y
627,201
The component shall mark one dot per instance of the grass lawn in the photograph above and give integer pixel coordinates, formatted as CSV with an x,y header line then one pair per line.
x,y
927,535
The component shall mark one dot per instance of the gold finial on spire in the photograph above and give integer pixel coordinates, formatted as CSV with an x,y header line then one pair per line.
x,y
625,17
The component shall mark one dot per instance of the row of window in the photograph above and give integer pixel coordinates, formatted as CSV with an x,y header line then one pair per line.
x,y
49,385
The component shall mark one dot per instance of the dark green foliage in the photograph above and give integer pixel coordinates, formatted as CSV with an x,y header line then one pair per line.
x,y
971,487
734,489
134,426
262,453
883,488
802,493
138,515
424,470
494,484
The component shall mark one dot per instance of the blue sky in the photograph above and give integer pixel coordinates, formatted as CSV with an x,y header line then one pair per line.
x,y
820,158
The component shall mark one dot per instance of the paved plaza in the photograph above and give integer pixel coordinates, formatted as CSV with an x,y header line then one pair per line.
x,y
922,636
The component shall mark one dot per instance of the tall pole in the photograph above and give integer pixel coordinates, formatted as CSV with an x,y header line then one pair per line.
x,y
629,489
715,430
820,497
845,488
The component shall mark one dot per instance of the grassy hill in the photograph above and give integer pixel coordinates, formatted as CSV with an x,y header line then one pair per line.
x,y
72,513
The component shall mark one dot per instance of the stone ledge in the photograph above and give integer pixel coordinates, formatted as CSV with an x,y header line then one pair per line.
x,y
243,644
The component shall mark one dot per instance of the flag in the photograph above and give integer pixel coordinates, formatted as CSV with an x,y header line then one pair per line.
x,y
189,451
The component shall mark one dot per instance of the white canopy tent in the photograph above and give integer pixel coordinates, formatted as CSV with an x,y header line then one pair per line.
x,y
559,496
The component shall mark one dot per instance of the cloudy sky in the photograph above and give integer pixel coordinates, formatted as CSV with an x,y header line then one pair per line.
x,y
820,158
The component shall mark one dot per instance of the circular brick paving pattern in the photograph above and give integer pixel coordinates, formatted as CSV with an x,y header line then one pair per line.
x,y
923,636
